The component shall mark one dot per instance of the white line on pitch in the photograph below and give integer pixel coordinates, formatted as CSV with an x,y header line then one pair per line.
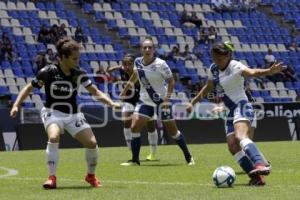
x,y
113,181
144,182
10,172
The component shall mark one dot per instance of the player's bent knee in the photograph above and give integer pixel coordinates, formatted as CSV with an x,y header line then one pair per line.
x,y
91,144
233,148
241,135
53,139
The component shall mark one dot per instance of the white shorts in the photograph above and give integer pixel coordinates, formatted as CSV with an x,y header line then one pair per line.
x,y
127,107
72,123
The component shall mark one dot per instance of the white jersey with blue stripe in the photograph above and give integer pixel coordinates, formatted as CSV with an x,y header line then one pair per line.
x,y
229,83
152,80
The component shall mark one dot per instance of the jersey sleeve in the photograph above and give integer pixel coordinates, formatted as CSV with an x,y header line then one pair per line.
x,y
85,81
40,78
209,74
166,71
240,67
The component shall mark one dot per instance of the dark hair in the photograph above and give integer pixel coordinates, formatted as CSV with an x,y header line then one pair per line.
x,y
222,48
65,46
130,56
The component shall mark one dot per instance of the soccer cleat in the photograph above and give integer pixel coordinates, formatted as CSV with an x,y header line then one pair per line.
x,y
151,157
260,170
92,180
131,163
191,161
257,180
50,183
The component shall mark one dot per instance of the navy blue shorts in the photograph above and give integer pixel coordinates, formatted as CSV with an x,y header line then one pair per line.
x,y
243,111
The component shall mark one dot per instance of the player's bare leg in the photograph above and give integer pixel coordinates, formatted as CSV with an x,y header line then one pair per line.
x,y
127,128
173,131
242,130
153,139
53,131
138,123
88,140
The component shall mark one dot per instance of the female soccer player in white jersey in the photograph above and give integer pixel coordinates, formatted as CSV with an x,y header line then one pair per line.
x,y
60,111
152,73
227,77
126,70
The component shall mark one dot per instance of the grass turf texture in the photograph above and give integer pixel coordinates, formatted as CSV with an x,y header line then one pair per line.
x,y
169,178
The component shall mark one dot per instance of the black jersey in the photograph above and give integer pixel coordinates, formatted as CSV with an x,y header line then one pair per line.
x,y
135,97
61,90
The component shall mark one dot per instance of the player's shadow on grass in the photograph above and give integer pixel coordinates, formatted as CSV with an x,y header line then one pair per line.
x,y
74,187
159,164
240,173
235,186
242,185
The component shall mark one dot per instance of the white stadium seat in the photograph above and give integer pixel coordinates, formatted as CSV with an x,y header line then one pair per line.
x,y
3,5
144,7
11,5
106,7
97,7
134,7
179,7
188,7
52,15
20,5
30,6
3,14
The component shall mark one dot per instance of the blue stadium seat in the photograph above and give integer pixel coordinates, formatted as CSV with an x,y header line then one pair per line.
x,y
4,90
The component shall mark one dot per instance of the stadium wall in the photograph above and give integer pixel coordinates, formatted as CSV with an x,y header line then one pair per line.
x,y
33,136
274,126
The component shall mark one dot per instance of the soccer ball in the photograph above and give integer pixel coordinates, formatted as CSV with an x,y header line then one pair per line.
x,y
224,176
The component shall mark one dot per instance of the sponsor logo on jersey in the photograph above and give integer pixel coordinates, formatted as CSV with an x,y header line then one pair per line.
x,y
62,88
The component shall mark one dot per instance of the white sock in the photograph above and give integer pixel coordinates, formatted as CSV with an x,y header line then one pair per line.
x,y
153,138
52,157
239,155
91,156
177,135
128,137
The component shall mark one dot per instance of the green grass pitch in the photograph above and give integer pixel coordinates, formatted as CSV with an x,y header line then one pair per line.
x,y
22,174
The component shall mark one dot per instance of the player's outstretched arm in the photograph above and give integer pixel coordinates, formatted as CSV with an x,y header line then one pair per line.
x,y
21,97
275,68
133,79
111,69
203,93
102,97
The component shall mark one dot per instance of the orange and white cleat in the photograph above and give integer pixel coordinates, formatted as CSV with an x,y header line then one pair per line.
x,y
50,183
92,179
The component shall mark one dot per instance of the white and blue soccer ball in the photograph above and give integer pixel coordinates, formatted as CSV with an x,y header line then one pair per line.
x,y
224,176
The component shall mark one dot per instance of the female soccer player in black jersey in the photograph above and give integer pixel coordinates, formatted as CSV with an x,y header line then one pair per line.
x,y
60,111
